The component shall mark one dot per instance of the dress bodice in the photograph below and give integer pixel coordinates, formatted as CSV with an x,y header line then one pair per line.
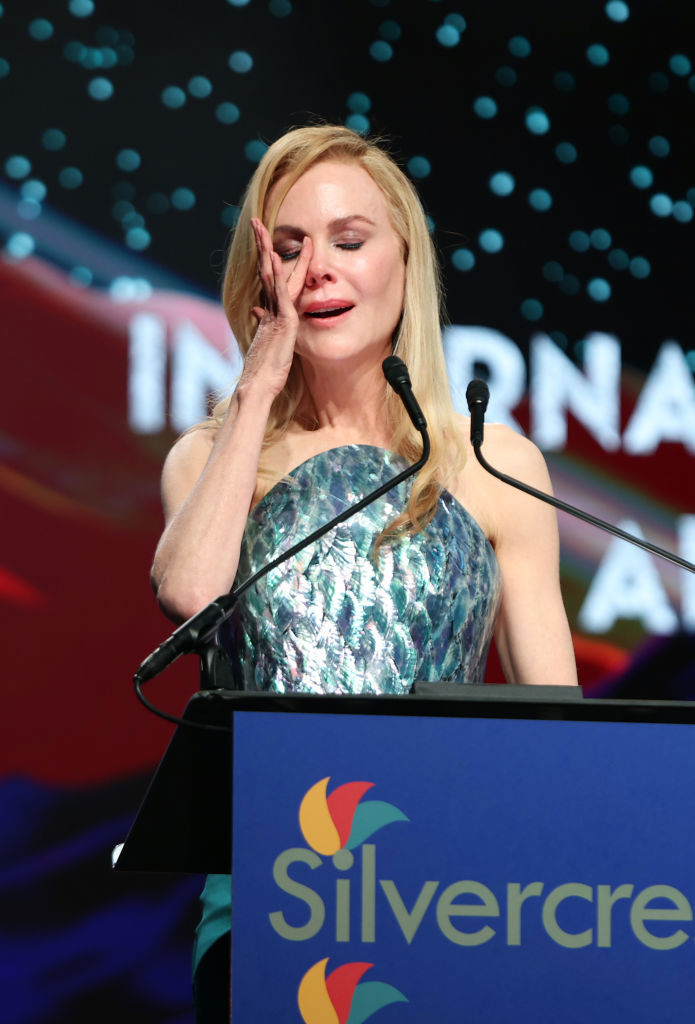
x,y
332,619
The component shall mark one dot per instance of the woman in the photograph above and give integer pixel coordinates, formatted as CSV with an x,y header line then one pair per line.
x,y
331,269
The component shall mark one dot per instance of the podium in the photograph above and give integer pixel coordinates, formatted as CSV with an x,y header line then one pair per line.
x,y
426,858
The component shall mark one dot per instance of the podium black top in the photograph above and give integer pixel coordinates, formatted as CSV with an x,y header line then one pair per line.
x,y
184,823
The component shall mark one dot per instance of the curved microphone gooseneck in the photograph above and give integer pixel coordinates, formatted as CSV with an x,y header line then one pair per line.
x,y
201,628
477,396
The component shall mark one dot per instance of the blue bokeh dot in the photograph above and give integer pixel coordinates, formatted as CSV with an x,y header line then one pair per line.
x,y
491,240
17,167
463,259
485,107
601,239
81,8
200,87
457,20
680,64
358,123
173,97
502,183
254,150
133,220
100,88
658,82
566,152
121,209
598,55
40,29
537,121
617,10
519,46
506,75
390,30
70,177
227,113
74,51
661,205
28,209
381,51
34,189
183,199
641,176
280,8
532,309
240,61
618,259
599,289
682,211
564,81
540,199
659,146
238,3
553,271
359,103
81,276
128,160
618,104
419,167
448,35
579,241
4,67
640,267
137,238
20,245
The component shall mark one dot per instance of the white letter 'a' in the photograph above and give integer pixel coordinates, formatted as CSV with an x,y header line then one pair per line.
x,y
627,586
665,410
592,396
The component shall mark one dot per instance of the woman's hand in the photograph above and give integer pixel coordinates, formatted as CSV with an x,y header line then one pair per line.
x,y
270,356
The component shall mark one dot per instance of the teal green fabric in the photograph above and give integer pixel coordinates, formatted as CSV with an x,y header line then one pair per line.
x,y
335,620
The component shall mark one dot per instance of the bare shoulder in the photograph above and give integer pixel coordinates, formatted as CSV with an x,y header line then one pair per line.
x,y
515,455
183,465
507,450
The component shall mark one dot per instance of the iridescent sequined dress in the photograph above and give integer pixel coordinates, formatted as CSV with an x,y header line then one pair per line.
x,y
332,620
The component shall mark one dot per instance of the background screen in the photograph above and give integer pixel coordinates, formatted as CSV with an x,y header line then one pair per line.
x,y
552,148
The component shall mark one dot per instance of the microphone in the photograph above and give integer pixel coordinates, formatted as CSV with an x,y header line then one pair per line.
x,y
197,631
477,395
397,375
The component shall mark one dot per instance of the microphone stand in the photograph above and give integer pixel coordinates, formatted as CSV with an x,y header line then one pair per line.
x,y
477,396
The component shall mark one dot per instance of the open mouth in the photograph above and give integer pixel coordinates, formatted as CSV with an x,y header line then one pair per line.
x,y
325,314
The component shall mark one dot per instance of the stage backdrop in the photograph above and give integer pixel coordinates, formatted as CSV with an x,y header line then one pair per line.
x,y
553,152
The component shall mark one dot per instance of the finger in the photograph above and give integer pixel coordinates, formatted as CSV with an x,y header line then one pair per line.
x,y
265,265
297,278
258,313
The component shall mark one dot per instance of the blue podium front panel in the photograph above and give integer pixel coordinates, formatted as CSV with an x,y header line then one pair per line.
x,y
402,869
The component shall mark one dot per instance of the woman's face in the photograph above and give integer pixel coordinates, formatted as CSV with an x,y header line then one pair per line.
x,y
352,297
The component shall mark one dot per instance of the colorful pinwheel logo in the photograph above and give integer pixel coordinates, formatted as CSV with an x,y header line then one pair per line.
x,y
340,998
340,821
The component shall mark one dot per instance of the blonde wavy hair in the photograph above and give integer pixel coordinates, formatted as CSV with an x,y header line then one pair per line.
x,y
417,339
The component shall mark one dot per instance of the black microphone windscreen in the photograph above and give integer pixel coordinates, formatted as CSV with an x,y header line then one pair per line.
x,y
395,371
477,393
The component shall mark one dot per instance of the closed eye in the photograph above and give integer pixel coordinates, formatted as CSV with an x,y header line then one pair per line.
x,y
287,256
